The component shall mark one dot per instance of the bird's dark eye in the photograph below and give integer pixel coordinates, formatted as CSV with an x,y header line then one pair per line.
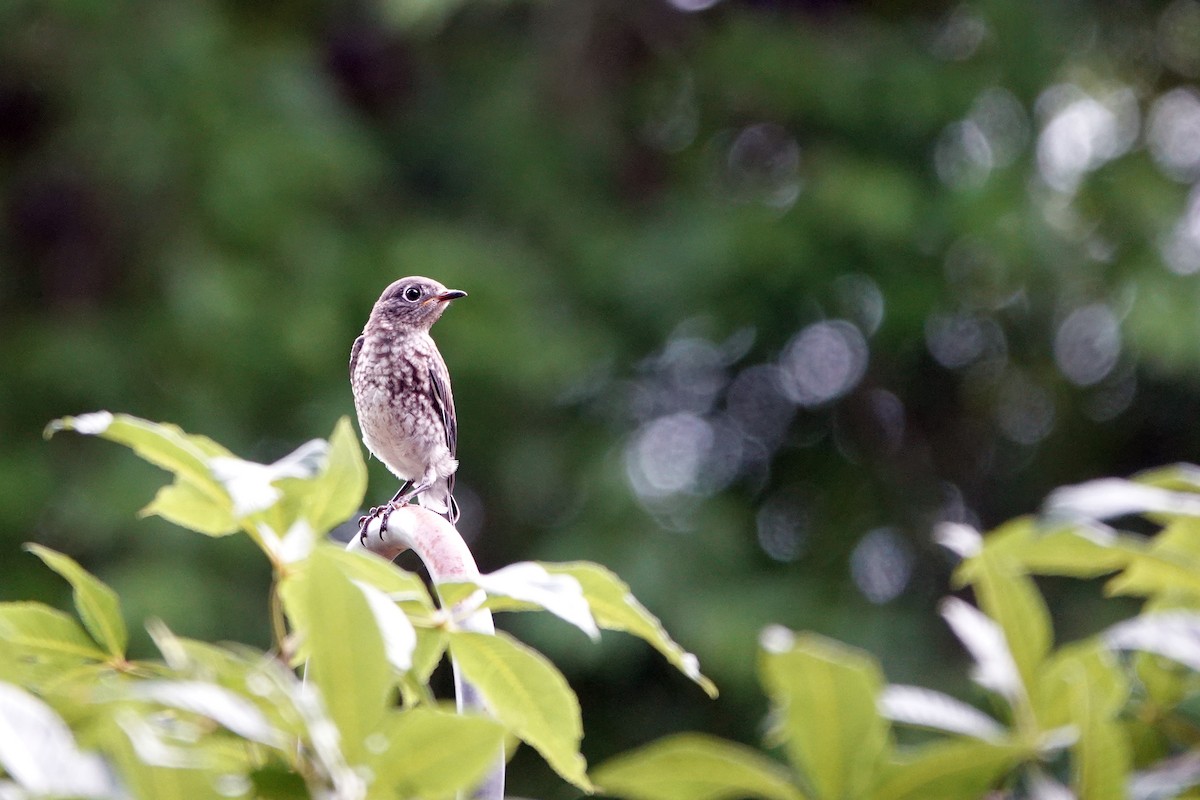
x,y
412,294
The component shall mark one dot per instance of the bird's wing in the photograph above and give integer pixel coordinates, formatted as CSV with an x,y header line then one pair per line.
x,y
354,351
443,403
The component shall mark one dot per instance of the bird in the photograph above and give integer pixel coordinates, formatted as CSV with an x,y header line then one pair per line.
x,y
402,396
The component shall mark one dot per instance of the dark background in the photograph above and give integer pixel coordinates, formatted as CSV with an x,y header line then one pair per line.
x,y
759,293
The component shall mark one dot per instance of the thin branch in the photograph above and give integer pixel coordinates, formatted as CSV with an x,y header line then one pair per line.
x,y
438,544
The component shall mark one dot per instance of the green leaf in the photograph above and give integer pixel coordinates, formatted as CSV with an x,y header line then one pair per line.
x,y
1011,599
186,505
693,766
433,753
1180,477
323,494
151,780
528,695
41,630
396,583
1169,565
1080,551
525,586
97,604
825,696
347,661
431,645
615,608
275,782
166,446
1096,689
237,668
1153,574
38,751
227,708
337,492
948,770
1090,661
399,635
925,708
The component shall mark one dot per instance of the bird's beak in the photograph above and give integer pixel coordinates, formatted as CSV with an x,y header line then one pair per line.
x,y
449,294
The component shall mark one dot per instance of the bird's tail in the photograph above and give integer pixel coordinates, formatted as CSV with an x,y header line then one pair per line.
x,y
439,499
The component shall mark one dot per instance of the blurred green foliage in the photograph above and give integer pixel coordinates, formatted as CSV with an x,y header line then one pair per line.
x,y
758,294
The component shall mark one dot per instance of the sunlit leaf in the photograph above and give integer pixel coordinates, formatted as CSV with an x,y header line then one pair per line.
x,y
1115,497
926,708
431,646
424,752
1168,778
40,629
186,505
253,675
1181,477
347,659
962,540
1168,566
399,636
1083,549
187,456
251,485
693,766
825,694
97,604
994,667
615,608
398,584
337,491
215,702
39,752
365,568
1011,599
947,770
528,585
528,695
1102,760
146,779
1173,634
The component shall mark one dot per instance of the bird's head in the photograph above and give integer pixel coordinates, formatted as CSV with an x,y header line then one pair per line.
x,y
414,301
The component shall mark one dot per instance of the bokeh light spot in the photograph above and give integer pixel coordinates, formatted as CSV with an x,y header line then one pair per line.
x,y
1180,248
963,156
1173,133
1001,118
881,565
755,402
782,525
673,117
823,362
977,274
1024,409
1087,344
960,34
956,340
860,299
1179,37
666,455
1083,132
762,165
692,6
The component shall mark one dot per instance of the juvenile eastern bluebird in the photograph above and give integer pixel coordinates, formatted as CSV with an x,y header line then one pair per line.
x,y
402,395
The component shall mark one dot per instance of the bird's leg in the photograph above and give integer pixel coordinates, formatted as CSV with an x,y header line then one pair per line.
x,y
383,512
403,498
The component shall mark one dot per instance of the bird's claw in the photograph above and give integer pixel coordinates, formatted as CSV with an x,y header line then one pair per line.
x,y
383,512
